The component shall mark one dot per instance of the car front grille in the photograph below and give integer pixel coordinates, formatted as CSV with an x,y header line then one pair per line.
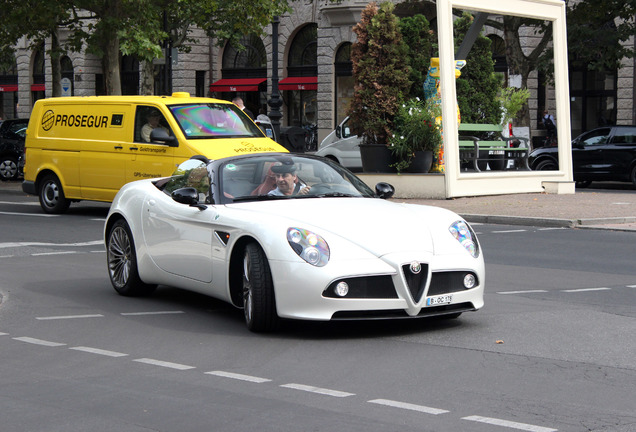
x,y
366,287
415,279
447,282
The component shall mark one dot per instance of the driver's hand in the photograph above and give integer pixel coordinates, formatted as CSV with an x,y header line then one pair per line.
x,y
304,191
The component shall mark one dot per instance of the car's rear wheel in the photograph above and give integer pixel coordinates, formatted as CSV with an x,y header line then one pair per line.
x,y
259,303
583,184
122,262
51,194
8,168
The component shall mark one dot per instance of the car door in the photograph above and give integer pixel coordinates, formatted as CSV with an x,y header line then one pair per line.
x,y
620,154
179,237
587,155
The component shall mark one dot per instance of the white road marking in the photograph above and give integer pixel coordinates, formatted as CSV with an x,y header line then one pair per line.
x,y
152,313
98,351
38,341
322,391
521,292
509,231
586,289
551,228
54,253
69,317
241,377
509,424
28,214
408,406
164,364
24,244
20,203
4,334
631,286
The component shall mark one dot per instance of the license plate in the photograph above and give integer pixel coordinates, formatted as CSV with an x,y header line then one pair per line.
x,y
439,300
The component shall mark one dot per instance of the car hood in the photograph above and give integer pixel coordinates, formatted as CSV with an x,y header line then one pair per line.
x,y
378,226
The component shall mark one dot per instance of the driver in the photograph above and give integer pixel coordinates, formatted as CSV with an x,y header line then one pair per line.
x,y
287,182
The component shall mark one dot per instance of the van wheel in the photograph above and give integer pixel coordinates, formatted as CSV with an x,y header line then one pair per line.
x,y
8,168
52,199
122,262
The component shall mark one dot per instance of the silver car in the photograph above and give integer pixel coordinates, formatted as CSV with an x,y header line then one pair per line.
x,y
343,147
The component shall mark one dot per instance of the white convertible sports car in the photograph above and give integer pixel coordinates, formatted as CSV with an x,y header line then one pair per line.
x,y
291,236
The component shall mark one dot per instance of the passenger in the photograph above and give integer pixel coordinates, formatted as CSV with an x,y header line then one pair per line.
x,y
287,182
153,119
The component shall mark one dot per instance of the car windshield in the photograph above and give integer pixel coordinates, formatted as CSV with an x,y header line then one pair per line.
x,y
214,120
271,177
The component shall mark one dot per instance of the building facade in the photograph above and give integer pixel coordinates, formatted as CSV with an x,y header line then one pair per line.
x,y
316,83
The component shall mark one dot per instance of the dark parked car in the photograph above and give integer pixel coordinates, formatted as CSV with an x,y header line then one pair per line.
x,y
603,154
12,134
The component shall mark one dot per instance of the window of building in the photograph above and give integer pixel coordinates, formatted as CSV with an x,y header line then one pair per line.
x,y
592,99
343,70
8,91
129,74
302,60
37,77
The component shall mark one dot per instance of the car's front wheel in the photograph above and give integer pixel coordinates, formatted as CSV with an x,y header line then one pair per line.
x,y
259,303
8,168
546,165
122,262
51,194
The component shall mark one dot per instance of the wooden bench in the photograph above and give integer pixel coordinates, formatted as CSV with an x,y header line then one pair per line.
x,y
495,153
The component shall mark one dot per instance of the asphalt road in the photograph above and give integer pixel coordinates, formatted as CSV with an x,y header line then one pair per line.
x,y
553,349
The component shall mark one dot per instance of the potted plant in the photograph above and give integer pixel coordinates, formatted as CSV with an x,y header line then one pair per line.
x,y
416,135
381,79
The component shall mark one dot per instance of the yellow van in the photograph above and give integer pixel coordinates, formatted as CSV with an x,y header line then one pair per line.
x,y
87,148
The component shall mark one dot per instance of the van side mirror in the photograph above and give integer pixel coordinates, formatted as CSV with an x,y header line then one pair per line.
x,y
338,131
162,136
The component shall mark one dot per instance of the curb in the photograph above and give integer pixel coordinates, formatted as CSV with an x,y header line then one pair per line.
x,y
611,224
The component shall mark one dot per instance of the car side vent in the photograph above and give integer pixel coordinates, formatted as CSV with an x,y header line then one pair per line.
x,y
222,236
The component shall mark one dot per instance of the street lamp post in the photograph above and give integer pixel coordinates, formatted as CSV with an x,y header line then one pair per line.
x,y
275,100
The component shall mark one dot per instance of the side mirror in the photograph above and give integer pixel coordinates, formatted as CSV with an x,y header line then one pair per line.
x,y
160,135
384,190
189,196
338,132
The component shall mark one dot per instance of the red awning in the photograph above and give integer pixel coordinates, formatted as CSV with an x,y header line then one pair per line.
x,y
8,87
298,83
38,87
236,85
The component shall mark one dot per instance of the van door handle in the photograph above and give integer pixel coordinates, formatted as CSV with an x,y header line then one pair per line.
x,y
134,148
118,147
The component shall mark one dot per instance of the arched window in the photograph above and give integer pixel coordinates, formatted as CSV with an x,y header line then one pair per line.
x,y
8,90
244,74
66,66
37,77
302,78
343,70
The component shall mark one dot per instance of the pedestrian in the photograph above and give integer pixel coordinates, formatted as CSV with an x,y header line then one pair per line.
x,y
550,127
238,101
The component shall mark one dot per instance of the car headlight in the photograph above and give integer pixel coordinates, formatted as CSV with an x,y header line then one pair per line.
x,y
309,246
465,236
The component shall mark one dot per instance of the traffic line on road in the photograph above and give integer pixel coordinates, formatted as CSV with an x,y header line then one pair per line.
x,y
508,231
631,286
509,424
408,406
4,334
98,351
586,289
151,313
522,292
318,390
240,377
38,341
62,317
25,244
54,253
165,364
27,214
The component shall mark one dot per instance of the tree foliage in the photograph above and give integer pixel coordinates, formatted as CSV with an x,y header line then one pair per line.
x,y
419,39
380,72
108,28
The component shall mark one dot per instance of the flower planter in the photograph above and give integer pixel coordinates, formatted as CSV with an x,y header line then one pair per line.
x,y
377,158
422,162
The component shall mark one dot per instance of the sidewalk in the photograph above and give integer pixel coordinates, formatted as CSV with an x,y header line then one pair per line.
x,y
599,209
613,209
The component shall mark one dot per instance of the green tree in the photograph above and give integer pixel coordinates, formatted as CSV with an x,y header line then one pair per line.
x,y
418,37
380,73
107,28
478,86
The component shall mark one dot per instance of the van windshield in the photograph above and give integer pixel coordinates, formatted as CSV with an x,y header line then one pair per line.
x,y
214,120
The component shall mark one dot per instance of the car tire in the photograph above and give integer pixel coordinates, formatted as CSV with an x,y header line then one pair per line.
x,y
583,184
632,175
259,303
546,165
122,262
8,168
51,194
